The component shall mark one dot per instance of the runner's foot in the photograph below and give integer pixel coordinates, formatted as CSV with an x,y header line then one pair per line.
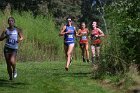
x,y
88,60
66,68
84,60
10,78
15,74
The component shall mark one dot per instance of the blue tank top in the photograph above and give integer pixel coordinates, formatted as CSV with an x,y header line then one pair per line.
x,y
70,36
11,40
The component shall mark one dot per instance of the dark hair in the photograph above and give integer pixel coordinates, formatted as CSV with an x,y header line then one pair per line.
x,y
11,18
97,22
82,23
68,18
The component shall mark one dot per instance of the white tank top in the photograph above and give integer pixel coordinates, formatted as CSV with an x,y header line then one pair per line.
x,y
11,40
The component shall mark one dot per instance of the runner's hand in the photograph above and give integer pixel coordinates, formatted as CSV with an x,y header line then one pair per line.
x,y
69,31
96,35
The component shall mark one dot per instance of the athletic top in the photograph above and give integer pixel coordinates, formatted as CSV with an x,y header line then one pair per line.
x,y
95,36
11,40
95,32
83,38
69,37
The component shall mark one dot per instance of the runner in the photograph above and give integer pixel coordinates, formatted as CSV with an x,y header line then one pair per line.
x,y
68,31
11,35
96,33
83,34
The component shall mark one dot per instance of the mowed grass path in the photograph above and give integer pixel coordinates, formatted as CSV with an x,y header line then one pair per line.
x,y
50,77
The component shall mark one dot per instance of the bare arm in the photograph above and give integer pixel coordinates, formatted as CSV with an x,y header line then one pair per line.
x,y
3,36
62,31
78,33
101,33
20,34
88,34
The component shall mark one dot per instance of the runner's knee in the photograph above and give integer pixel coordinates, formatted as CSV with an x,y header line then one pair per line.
x,y
69,54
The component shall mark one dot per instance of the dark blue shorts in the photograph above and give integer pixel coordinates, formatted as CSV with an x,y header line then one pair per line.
x,y
8,50
68,43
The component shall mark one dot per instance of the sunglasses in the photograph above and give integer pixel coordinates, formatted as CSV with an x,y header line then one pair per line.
x,y
69,21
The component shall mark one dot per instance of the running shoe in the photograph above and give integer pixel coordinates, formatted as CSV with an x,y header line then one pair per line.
x,y
84,60
88,60
10,78
15,74
66,68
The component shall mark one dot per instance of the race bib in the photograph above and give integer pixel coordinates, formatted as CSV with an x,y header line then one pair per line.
x,y
84,37
11,41
70,36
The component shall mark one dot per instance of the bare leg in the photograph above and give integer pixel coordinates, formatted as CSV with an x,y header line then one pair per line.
x,y
87,52
98,52
9,67
83,53
13,63
66,49
69,54
93,50
93,53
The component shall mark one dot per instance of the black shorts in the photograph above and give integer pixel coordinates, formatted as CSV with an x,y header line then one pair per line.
x,y
82,44
96,45
8,50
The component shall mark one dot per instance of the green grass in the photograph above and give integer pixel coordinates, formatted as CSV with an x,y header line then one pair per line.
x,y
51,77
40,36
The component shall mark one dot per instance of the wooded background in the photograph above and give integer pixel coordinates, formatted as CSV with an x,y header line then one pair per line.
x,y
118,19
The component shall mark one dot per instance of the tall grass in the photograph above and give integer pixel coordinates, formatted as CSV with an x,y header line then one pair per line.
x,y
41,35
41,40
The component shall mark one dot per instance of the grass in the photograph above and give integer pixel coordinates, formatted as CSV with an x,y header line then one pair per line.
x,y
40,36
51,77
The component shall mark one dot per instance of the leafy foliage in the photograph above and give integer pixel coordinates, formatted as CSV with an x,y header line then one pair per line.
x,y
121,48
119,20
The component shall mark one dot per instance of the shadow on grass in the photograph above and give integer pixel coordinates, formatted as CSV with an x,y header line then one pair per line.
x,y
70,74
83,65
10,84
79,74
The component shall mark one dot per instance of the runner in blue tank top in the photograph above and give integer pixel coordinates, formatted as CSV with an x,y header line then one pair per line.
x,y
69,32
13,36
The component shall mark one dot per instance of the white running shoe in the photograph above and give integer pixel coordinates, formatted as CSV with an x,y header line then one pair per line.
x,y
15,74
